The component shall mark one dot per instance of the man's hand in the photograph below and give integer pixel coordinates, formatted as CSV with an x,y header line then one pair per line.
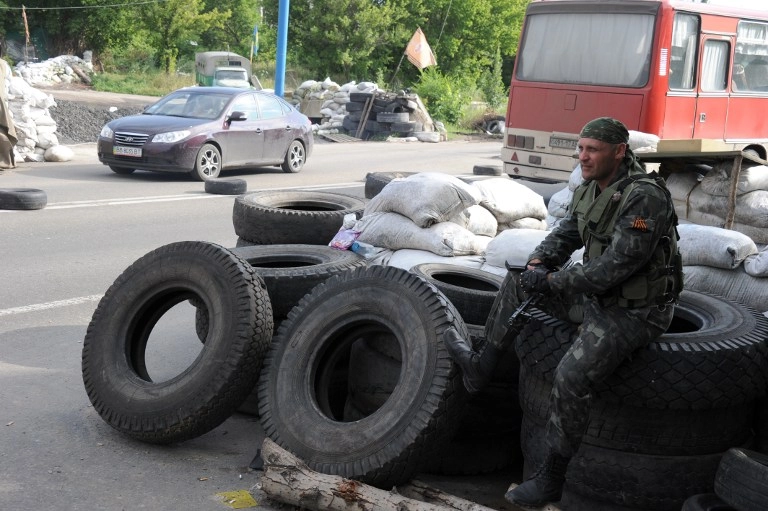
x,y
535,280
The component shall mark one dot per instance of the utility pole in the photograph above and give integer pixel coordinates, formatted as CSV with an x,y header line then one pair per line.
x,y
282,46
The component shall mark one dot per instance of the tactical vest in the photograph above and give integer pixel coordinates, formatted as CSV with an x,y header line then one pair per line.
x,y
660,281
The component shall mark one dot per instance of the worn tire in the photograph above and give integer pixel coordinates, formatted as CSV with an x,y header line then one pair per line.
x,y
226,186
202,396
123,171
303,389
472,291
292,217
647,430
742,479
487,170
376,181
714,355
291,271
706,502
22,198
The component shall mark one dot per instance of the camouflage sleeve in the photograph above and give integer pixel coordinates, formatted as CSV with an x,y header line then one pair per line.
x,y
559,244
642,222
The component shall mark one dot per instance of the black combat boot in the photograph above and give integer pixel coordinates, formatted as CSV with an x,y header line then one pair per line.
x,y
477,368
543,487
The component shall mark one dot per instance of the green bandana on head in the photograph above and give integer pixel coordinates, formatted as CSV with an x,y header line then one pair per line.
x,y
606,129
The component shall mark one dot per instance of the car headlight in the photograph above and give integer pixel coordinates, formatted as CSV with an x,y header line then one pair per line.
x,y
170,137
106,132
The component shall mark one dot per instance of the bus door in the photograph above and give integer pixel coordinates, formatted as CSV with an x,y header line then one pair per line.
x,y
712,98
681,99
749,83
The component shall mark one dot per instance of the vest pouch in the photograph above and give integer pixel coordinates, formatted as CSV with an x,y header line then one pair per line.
x,y
635,288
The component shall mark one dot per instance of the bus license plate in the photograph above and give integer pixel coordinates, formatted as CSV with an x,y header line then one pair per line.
x,y
562,143
127,151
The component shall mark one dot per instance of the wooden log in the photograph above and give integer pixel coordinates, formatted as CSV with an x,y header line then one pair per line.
x,y
421,491
83,76
289,480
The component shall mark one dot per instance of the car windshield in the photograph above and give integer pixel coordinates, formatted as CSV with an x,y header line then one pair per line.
x,y
195,105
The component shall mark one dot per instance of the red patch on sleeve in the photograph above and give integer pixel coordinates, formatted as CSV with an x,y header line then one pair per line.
x,y
640,224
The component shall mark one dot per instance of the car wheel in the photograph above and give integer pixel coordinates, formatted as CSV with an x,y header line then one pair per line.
x,y
207,163
123,171
120,346
295,157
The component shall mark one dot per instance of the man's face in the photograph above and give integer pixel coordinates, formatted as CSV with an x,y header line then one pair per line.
x,y
600,160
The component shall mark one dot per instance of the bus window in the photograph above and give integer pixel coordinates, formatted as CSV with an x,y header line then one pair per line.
x,y
684,43
752,55
714,69
596,49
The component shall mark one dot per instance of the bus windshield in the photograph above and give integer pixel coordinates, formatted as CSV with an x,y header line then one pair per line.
x,y
610,49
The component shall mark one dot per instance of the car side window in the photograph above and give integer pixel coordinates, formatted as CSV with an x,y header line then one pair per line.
x,y
247,104
270,107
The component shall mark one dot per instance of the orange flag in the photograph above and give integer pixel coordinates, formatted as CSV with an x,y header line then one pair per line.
x,y
419,52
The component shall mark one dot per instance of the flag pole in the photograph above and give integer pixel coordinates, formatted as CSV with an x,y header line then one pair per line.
x,y
391,80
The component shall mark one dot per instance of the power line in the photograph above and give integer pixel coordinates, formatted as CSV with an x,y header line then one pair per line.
x,y
125,4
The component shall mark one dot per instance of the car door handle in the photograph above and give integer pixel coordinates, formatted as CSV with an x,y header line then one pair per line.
x,y
288,128
258,131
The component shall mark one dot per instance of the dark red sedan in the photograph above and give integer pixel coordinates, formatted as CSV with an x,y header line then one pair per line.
x,y
204,130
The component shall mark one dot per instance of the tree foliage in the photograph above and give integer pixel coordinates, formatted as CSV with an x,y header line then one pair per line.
x,y
341,39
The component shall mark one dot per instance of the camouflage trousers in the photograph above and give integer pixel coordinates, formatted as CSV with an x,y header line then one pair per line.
x,y
606,337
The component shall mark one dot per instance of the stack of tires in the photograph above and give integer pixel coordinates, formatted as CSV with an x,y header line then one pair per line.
x,y
390,114
659,426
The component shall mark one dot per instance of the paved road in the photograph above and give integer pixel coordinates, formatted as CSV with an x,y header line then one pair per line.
x,y
56,452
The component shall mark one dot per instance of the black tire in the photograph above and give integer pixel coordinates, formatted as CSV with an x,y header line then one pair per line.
x,y
226,186
407,127
360,97
647,430
636,481
398,117
472,291
376,181
22,198
742,479
714,355
291,271
355,106
706,502
487,170
207,163
123,171
292,217
295,158
303,389
202,396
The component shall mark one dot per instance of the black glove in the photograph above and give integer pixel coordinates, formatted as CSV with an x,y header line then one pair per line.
x,y
535,281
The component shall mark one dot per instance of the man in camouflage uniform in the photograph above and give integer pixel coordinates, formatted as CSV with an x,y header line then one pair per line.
x,y
622,294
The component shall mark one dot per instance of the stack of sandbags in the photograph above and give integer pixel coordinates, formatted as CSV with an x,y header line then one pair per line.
x,y
704,199
725,263
61,69
558,204
415,213
514,205
335,98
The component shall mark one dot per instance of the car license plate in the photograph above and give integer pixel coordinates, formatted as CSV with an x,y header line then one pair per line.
x,y
562,143
126,151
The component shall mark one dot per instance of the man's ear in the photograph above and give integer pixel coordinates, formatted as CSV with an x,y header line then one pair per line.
x,y
621,151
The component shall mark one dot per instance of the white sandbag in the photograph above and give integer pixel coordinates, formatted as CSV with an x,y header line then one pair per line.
x,y
395,232
703,245
559,203
640,140
733,284
481,243
525,223
496,270
758,234
756,265
680,184
513,245
751,207
408,258
718,180
509,200
576,178
477,220
426,198
59,153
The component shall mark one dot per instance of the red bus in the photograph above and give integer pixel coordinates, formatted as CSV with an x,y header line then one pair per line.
x,y
684,71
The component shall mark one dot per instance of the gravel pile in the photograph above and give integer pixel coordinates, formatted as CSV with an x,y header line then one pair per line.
x,y
78,123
